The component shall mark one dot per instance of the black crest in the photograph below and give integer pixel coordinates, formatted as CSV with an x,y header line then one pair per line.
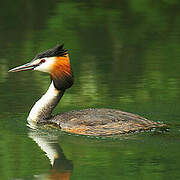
x,y
54,52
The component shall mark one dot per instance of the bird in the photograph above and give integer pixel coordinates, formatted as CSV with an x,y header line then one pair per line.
x,y
92,121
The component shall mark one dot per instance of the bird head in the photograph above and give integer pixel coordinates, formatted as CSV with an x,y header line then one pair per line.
x,y
54,61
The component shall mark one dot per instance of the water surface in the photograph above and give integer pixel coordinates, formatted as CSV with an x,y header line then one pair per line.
x,y
124,54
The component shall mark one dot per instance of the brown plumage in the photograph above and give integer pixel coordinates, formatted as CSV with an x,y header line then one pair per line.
x,y
61,73
61,67
101,122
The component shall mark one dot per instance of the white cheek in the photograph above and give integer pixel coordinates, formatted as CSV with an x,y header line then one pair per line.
x,y
46,66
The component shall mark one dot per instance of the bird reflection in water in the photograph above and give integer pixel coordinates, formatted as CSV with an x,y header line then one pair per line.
x,y
61,166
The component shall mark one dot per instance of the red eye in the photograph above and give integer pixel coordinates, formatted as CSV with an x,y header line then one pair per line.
x,y
43,60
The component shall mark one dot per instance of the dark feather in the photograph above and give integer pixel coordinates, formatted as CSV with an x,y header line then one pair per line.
x,y
54,52
63,83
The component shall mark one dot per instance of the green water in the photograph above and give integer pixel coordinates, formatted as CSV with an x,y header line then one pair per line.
x,y
124,54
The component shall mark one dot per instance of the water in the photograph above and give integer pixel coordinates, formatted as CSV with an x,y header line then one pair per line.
x,y
124,54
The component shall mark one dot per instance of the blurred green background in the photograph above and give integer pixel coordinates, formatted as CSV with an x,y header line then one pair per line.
x,y
124,54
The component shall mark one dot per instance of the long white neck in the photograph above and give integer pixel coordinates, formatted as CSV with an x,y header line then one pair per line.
x,y
44,106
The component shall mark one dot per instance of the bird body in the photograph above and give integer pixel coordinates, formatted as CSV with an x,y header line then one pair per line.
x,y
98,122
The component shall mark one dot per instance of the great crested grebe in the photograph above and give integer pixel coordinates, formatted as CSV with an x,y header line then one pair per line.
x,y
96,122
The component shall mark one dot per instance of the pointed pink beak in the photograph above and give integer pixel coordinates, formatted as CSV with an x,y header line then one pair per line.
x,y
24,67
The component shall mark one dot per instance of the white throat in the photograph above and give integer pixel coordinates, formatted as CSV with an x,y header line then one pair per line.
x,y
44,106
